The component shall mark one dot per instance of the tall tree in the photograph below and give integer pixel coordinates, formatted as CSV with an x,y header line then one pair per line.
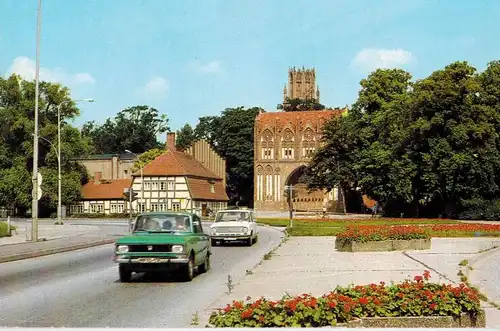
x,y
185,137
17,98
231,136
453,137
134,128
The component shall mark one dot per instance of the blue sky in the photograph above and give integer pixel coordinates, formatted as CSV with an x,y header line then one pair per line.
x,y
195,58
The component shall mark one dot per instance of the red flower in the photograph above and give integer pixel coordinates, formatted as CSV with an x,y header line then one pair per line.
x,y
363,301
418,278
433,306
332,304
376,301
227,309
427,274
246,313
261,318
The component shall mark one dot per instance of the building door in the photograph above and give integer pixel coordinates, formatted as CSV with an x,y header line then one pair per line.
x,y
204,212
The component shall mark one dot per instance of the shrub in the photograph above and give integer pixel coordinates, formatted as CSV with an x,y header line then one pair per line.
x,y
478,209
4,229
365,233
409,298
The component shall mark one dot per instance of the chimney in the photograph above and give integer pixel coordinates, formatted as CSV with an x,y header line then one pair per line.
x,y
171,141
97,177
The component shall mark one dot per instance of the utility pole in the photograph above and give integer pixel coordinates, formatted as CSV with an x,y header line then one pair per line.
x,y
130,211
34,203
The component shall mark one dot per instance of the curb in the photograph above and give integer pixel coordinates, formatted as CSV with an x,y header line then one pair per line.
x,y
57,250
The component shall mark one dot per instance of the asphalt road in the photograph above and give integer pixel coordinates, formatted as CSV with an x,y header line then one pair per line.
x,y
81,289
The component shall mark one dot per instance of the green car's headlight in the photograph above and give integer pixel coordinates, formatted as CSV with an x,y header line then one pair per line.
x,y
122,248
177,248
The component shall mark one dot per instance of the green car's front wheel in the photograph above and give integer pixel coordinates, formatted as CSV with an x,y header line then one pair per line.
x,y
125,274
206,264
188,270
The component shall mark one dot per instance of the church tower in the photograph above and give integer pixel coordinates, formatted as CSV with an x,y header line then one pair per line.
x,y
301,85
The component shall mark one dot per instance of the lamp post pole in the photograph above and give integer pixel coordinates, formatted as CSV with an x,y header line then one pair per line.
x,y
34,203
59,176
142,179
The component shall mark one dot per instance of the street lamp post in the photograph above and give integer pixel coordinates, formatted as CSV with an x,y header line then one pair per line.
x,y
142,178
34,203
59,176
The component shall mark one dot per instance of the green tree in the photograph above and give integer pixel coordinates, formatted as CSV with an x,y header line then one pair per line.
x,y
300,105
134,128
185,137
231,136
453,138
17,98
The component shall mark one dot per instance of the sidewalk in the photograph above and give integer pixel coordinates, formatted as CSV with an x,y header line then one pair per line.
x,y
312,265
54,239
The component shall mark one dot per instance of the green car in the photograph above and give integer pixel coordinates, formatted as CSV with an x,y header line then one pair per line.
x,y
164,241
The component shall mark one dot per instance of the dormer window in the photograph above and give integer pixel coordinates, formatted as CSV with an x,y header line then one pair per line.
x,y
212,187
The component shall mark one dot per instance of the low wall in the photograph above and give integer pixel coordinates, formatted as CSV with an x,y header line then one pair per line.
x,y
464,321
382,246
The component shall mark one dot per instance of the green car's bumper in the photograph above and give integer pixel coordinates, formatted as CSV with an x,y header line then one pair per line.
x,y
151,263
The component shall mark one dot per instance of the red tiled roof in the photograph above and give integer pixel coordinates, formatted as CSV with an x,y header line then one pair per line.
x,y
282,118
174,163
200,190
105,190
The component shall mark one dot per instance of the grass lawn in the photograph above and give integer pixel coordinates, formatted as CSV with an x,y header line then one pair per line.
x,y
435,227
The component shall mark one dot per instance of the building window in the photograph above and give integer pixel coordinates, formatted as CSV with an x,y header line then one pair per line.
x,y
163,207
163,186
308,152
147,186
212,187
267,153
76,209
288,153
154,186
154,207
142,207
117,208
171,185
96,208
176,206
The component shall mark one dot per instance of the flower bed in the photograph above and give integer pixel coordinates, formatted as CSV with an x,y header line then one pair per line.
x,y
366,233
463,230
375,302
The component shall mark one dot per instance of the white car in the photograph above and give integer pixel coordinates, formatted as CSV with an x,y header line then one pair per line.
x,y
234,225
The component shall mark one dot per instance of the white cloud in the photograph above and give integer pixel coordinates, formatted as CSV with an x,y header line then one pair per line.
x,y
211,67
25,67
156,87
370,59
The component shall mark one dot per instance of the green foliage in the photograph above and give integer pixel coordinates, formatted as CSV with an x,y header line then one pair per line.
x,y
300,105
147,157
419,148
4,229
479,209
345,304
17,98
231,135
134,128
185,137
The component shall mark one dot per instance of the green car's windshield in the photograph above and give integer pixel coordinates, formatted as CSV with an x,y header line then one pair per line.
x,y
232,216
163,223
